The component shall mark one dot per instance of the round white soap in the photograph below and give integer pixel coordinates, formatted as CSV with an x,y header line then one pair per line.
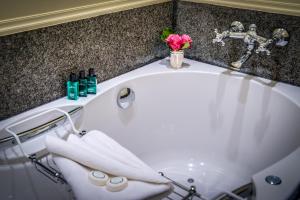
x,y
116,184
98,178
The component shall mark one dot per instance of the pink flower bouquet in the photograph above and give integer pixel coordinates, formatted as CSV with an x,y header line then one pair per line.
x,y
178,42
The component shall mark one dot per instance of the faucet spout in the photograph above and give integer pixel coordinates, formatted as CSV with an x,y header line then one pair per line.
x,y
238,64
236,31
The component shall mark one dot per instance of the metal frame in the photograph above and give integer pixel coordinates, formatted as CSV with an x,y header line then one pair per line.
x,y
193,194
47,170
191,191
39,129
16,136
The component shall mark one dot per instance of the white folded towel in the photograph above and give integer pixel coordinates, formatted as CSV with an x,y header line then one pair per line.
x,y
101,141
77,177
97,151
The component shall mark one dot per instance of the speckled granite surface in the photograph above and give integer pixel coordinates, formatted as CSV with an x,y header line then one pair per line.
x,y
200,20
35,65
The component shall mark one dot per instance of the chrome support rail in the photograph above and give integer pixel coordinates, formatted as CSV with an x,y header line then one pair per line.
x,y
191,191
39,129
241,193
47,170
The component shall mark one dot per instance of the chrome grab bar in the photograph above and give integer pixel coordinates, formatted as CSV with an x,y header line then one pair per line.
x,y
16,137
39,129
48,171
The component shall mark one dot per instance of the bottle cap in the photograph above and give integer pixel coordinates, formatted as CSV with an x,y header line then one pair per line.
x,y
81,74
73,77
91,72
116,184
98,178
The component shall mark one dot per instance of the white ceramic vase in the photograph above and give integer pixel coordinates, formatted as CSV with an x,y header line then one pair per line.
x,y
176,59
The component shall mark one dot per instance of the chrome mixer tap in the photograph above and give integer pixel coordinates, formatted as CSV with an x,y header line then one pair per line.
x,y
280,38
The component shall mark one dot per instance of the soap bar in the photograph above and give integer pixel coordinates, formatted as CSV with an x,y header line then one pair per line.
x,y
98,178
116,184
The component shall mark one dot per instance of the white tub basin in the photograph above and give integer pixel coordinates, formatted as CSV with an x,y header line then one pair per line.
x,y
202,122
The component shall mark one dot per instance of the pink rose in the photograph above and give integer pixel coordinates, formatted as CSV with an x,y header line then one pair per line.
x,y
186,38
174,41
177,42
175,47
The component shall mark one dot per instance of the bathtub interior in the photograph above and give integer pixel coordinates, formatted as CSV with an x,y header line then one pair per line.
x,y
215,128
218,130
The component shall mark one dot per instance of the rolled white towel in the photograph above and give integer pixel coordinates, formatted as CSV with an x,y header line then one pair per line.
x,y
100,142
77,150
99,147
142,173
77,176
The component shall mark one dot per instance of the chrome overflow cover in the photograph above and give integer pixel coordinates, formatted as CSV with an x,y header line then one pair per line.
x,y
273,180
125,98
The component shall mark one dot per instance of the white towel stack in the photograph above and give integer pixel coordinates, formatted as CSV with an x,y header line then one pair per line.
x,y
95,150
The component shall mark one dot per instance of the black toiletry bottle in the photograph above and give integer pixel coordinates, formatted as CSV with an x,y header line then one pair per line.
x,y
92,82
82,84
72,87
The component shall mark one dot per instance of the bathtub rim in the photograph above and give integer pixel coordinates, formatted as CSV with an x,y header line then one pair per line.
x,y
290,92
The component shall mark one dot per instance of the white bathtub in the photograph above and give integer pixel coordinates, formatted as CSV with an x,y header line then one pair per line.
x,y
218,127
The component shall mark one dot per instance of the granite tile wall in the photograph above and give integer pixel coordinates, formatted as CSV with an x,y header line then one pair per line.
x,y
200,20
35,65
